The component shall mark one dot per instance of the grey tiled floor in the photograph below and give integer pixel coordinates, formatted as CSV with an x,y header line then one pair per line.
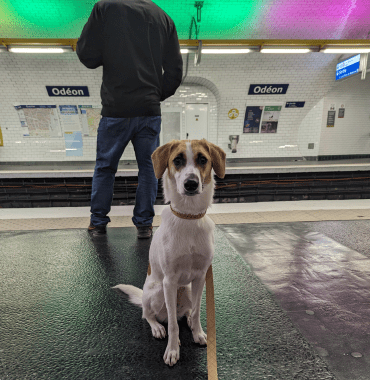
x,y
311,256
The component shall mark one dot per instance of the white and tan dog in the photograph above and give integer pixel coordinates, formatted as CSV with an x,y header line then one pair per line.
x,y
182,248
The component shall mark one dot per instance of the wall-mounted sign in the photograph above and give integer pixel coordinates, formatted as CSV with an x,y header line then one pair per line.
x,y
67,90
331,119
268,89
39,120
348,67
233,114
341,111
294,104
90,119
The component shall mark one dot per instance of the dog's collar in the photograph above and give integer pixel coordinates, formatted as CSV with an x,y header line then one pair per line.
x,y
188,216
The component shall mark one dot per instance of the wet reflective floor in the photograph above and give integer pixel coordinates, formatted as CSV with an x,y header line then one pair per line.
x,y
292,302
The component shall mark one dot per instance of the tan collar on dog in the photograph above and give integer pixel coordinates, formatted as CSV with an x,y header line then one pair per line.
x,y
187,216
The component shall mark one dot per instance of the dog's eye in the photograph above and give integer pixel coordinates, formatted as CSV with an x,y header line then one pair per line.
x,y
202,160
177,161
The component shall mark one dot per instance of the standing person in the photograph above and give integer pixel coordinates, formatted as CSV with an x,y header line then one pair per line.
x,y
133,40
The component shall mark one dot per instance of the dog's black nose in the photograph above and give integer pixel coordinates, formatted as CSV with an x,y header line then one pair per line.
x,y
191,185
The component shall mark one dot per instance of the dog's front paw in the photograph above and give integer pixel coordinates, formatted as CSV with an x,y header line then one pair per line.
x,y
172,355
200,337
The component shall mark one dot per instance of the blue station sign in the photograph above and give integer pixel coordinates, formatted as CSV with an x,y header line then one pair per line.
x,y
268,89
294,104
67,90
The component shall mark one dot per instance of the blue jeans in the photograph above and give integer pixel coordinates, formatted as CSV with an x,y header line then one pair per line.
x,y
113,136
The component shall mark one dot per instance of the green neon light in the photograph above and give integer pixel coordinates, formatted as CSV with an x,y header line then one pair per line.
x,y
65,19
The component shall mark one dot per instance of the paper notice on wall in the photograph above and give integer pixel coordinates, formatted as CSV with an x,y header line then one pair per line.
x,y
39,120
73,143
90,119
270,119
341,110
252,119
69,118
331,119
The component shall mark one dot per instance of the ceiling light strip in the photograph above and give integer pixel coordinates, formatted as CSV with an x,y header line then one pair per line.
x,y
213,46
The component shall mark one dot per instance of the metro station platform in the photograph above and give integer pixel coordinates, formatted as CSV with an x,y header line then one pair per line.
x,y
292,294
129,168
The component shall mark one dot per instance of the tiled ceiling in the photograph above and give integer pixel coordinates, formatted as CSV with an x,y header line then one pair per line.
x,y
220,19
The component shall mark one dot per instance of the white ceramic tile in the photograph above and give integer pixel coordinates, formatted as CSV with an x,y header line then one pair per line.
x,y
224,81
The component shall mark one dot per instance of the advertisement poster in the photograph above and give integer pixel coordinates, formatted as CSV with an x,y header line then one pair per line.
x,y
270,119
252,119
70,118
73,141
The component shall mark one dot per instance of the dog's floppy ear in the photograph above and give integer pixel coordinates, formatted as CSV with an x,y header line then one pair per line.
x,y
160,157
218,157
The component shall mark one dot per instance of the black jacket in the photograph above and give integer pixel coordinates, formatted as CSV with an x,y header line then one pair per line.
x,y
133,40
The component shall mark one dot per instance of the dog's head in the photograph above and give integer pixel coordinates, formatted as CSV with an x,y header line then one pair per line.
x,y
190,163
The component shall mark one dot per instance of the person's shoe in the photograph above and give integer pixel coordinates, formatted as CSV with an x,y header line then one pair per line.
x,y
144,232
97,230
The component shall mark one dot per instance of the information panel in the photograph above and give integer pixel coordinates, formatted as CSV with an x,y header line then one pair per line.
x,y
348,67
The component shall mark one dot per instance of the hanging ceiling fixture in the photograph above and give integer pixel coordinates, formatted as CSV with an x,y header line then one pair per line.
x,y
39,49
199,6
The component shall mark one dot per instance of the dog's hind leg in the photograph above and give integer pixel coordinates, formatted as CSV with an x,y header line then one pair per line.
x,y
188,317
184,304
158,330
153,304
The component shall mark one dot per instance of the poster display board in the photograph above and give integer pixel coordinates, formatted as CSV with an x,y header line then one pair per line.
x,y
261,119
39,120
90,119
74,144
252,119
270,119
70,122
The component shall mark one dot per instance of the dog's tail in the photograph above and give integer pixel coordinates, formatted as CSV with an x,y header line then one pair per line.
x,y
135,294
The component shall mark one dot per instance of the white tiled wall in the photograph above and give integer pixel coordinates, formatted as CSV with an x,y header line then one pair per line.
x,y
225,81
351,134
